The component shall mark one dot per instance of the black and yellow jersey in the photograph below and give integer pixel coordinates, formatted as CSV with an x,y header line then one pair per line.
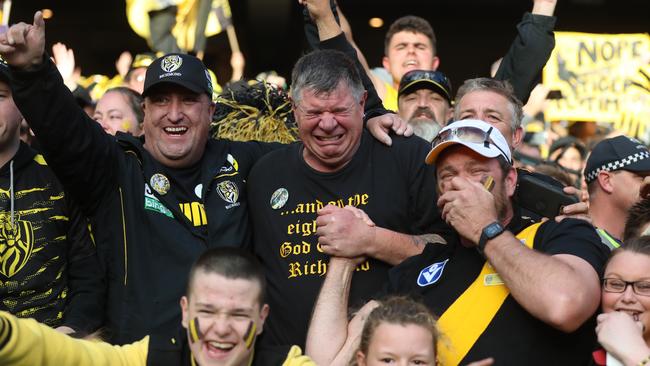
x,y
48,263
454,278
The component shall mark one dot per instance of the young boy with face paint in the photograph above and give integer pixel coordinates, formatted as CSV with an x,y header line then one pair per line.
x,y
223,313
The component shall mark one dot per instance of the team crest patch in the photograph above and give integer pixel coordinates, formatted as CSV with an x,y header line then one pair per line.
x,y
228,191
16,244
160,183
431,274
171,63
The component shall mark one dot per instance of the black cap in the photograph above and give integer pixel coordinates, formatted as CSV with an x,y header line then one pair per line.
x,y
617,153
420,79
181,69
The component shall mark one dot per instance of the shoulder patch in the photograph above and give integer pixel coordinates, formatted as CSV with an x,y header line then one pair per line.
x,y
431,274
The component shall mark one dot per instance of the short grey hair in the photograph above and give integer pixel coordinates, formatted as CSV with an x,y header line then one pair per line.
x,y
500,87
322,71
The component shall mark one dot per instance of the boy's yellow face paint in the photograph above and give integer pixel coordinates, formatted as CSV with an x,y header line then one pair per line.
x,y
195,330
250,334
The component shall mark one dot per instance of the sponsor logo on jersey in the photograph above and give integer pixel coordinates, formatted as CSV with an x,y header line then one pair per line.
x,y
230,169
16,244
194,212
431,274
152,203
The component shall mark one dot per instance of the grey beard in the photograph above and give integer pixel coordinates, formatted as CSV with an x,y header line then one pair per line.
x,y
425,128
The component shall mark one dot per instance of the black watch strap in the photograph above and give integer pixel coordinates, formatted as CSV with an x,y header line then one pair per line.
x,y
491,231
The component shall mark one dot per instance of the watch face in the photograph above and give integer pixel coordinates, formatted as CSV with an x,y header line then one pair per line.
x,y
493,230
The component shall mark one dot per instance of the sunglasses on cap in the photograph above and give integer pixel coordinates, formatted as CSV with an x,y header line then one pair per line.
x,y
435,77
469,134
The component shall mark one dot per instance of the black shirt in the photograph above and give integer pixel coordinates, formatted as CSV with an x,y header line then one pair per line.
x,y
391,184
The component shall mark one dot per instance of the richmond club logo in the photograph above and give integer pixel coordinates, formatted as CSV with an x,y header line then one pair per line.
x,y
171,63
228,191
16,244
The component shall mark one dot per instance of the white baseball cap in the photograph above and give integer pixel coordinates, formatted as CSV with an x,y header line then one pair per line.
x,y
477,135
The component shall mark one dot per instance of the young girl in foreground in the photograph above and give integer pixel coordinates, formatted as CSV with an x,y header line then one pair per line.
x,y
400,331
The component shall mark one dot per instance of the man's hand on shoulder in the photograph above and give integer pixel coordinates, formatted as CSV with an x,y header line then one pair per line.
x,y
380,127
23,45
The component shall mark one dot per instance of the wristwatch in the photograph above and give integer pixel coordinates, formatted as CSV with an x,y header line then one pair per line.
x,y
489,232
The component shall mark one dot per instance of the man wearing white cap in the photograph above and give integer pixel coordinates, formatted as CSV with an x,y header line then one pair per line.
x,y
506,289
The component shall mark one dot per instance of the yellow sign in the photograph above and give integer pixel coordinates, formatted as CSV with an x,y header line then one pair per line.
x,y
601,77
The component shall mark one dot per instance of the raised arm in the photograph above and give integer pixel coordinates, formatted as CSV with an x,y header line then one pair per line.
x,y
331,340
312,34
328,327
81,154
522,65
379,120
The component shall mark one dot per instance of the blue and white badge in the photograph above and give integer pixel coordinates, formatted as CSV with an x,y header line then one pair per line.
x,y
431,274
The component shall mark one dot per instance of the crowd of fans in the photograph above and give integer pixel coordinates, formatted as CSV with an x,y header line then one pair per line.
x,y
302,224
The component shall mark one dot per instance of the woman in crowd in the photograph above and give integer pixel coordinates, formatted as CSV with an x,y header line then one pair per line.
x,y
120,109
624,326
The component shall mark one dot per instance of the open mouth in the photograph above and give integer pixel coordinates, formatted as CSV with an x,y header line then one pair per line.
x,y
329,138
175,131
216,349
